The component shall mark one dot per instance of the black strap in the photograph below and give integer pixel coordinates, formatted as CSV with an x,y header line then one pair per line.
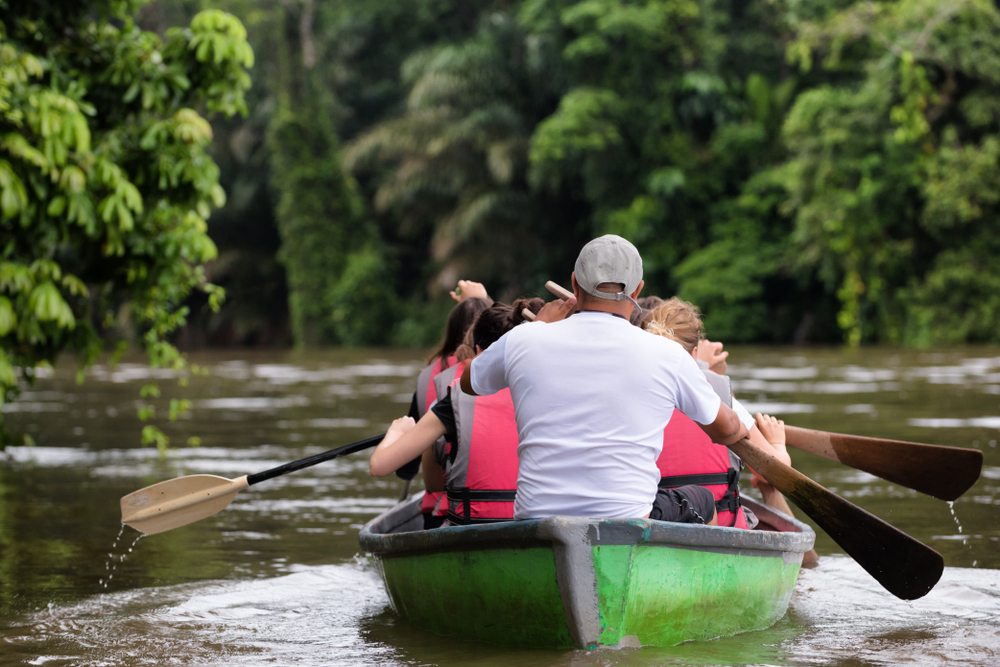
x,y
730,501
708,479
466,496
482,495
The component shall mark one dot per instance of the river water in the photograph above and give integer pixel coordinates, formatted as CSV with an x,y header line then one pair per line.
x,y
278,578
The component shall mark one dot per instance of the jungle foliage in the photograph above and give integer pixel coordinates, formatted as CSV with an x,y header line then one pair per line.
x,y
105,183
802,170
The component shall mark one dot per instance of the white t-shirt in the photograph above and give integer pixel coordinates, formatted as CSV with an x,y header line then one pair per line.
x,y
592,395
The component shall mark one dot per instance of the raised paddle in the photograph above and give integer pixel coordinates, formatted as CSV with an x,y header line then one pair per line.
x,y
943,472
178,502
907,568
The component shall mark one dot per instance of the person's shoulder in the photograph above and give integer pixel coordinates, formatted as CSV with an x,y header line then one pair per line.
x,y
659,343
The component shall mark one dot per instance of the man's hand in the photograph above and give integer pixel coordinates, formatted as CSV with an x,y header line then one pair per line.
x,y
468,289
556,310
711,353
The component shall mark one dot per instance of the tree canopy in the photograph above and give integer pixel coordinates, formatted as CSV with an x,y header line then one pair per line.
x,y
803,171
105,182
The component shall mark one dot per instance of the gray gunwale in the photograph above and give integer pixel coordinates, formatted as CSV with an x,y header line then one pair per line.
x,y
377,536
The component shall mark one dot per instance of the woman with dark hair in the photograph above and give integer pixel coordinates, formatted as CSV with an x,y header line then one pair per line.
x,y
481,458
472,301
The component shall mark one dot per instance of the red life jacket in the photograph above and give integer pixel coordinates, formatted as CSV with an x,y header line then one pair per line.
x,y
427,393
690,457
426,390
481,478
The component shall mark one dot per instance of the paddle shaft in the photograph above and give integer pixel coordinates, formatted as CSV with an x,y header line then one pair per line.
x,y
316,459
906,567
942,472
179,502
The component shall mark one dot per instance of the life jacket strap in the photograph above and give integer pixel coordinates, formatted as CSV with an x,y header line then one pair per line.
x,y
730,501
466,496
707,479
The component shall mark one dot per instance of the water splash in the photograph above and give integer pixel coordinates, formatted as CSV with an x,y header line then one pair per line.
x,y
965,538
111,565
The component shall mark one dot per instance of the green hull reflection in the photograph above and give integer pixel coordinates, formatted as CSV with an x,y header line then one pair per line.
x,y
572,582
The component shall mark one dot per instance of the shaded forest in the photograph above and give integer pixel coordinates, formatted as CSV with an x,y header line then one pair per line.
x,y
803,170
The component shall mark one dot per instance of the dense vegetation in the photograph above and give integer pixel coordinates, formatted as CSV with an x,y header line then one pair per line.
x,y
803,170
105,183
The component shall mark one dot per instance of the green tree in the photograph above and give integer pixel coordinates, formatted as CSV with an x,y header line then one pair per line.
x,y
105,184
893,168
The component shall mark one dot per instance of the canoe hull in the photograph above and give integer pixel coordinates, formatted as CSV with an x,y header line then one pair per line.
x,y
573,582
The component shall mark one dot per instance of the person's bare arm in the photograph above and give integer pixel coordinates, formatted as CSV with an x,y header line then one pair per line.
x,y
727,427
467,380
403,442
433,473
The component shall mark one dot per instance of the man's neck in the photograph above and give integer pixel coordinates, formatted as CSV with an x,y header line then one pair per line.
x,y
620,308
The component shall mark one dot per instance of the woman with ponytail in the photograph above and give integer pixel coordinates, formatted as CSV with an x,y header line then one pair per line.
x,y
480,460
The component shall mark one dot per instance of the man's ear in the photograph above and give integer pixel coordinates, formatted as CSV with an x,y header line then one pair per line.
x,y
577,292
635,294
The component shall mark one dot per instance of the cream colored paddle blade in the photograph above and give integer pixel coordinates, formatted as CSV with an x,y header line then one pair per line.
x,y
178,502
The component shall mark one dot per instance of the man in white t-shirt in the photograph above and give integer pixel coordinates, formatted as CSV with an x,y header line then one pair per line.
x,y
592,395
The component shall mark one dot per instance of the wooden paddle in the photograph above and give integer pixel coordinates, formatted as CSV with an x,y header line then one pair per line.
x,y
178,502
943,472
558,290
906,567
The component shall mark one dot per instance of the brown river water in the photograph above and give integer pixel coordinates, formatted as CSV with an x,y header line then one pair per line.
x,y
278,577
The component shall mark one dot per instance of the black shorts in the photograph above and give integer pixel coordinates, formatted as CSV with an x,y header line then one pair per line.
x,y
685,504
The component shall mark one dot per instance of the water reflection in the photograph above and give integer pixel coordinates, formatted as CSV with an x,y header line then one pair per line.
x,y
276,578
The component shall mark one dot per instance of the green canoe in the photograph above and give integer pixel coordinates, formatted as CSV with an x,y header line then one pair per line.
x,y
575,582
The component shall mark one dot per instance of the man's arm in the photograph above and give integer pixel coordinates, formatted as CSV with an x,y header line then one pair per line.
x,y
467,380
727,427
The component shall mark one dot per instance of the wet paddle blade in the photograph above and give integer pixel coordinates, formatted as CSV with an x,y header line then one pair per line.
x,y
906,567
942,472
178,502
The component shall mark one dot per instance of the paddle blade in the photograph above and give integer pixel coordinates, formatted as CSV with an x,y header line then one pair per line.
x,y
942,472
178,502
906,567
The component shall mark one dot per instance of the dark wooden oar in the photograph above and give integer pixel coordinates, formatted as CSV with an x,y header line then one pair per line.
x,y
943,472
178,502
906,567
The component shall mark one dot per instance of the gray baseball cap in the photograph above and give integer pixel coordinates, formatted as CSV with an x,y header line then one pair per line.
x,y
609,259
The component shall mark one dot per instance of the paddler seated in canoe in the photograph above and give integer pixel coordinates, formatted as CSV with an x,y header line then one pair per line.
x,y
592,395
472,299
688,453
681,321
481,461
